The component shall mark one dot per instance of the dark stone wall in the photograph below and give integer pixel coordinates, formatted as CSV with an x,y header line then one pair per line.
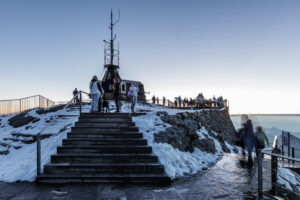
x,y
183,132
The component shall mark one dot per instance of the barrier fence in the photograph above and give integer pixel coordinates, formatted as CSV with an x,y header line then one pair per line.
x,y
20,105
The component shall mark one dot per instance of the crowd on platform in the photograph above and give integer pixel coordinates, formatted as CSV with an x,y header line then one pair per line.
x,y
199,101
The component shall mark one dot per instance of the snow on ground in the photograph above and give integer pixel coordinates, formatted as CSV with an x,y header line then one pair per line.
x,y
176,163
287,178
20,164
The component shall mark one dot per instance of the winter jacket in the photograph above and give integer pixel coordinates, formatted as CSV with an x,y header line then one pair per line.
x,y
134,91
95,87
261,138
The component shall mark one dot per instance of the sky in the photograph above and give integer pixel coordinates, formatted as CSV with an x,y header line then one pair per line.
x,y
246,51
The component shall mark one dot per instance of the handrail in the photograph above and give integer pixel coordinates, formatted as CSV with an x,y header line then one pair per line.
x,y
280,156
38,160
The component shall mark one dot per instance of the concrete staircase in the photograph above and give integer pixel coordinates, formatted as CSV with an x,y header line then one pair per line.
x,y
104,148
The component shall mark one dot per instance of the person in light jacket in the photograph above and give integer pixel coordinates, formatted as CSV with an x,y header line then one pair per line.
x,y
95,93
133,94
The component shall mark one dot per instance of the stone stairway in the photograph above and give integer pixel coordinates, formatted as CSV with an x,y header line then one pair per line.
x,y
104,148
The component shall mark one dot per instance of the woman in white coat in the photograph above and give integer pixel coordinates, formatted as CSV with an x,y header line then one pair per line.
x,y
95,93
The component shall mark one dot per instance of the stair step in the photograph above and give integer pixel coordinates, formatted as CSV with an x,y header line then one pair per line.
x,y
105,135
92,116
104,178
105,124
107,129
105,120
107,142
114,168
103,158
104,149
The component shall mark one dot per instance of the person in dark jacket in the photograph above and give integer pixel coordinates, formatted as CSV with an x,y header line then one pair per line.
x,y
248,137
100,96
75,92
116,88
153,99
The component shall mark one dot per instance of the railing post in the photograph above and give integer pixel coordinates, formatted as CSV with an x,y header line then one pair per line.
x,y
80,102
274,172
293,154
38,154
260,174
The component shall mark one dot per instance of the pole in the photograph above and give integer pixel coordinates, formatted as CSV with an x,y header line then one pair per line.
x,y
289,145
38,156
260,175
274,172
80,102
293,154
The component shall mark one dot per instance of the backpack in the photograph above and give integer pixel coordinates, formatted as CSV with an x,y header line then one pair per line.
x,y
260,140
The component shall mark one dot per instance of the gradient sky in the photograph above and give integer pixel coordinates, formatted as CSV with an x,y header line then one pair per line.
x,y
247,51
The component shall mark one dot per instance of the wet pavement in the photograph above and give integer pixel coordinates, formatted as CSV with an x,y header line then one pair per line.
x,y
227,179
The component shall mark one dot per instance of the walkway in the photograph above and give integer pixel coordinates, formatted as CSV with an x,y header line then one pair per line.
x,y
225,180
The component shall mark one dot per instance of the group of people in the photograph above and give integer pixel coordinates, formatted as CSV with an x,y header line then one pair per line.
x,y
249,139
190,102
99,101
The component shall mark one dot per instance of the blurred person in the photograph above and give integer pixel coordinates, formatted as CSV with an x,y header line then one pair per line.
x,y
157,100
260,139
248,137
164,101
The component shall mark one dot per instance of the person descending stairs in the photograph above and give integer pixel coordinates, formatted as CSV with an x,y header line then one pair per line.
x,y
104,148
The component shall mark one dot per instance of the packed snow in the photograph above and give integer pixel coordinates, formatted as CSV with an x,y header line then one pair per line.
x,y
20,164
287,178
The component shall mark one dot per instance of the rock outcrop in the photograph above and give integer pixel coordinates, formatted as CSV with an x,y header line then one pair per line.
x,y
183,132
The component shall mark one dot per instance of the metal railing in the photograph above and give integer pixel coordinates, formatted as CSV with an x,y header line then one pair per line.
x,y
19,105
52,121
199,104
274,167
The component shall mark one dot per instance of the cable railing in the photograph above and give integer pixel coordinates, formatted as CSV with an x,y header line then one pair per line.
x,y
20,105
73,101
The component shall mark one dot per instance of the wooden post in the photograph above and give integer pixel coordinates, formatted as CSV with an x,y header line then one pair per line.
x,y
38,154
260,175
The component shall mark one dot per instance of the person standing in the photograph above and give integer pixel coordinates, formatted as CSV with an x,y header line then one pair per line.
x,y
153,99
75,92
179,100
95,93
100,96
164,101
116,88
133,94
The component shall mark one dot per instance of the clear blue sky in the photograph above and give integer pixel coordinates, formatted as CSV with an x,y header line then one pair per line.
x,y
247,51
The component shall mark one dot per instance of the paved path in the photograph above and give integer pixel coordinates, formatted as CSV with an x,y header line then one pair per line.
x,y
227,179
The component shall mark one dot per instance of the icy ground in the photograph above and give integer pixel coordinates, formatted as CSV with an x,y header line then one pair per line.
x,y
20,163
